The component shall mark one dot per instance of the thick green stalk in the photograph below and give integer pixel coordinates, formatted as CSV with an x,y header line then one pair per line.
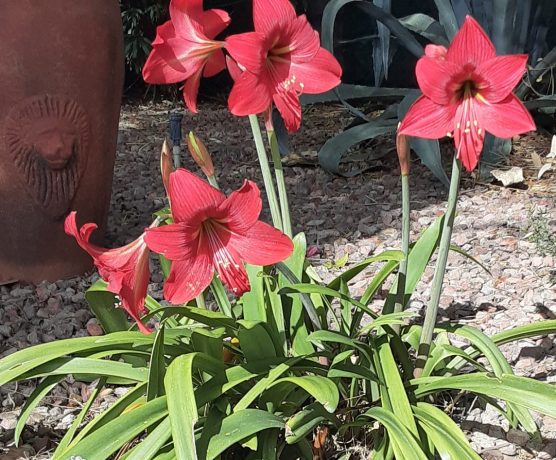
x,y
280,182
200,299
402,272
267,175
438,279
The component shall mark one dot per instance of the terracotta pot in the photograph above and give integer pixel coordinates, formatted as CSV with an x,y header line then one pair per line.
x,y
61,85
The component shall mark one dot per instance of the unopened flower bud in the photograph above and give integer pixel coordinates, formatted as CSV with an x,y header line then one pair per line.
x,y
402,147
166,164
200,154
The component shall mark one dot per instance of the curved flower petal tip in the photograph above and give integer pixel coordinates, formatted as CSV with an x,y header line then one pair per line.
x,y
471,44
282,59
212,233
184,48
125,269
467,92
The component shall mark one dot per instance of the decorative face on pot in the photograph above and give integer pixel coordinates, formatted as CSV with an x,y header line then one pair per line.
x,y
47,138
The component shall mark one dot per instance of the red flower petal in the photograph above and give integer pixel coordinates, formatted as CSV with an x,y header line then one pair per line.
x,y
233,68
191,197
214,22
287,103
262,244
428,120
191,89
502,74
319,75
269,15
211,22
250,95
174,241
163,66
470,45
506,118
188,278
215,64
248,49
242,208
434,77
301,39
469,134
186,16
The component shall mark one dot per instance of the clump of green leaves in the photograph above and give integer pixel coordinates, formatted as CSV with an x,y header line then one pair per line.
x,y
540,232
293,360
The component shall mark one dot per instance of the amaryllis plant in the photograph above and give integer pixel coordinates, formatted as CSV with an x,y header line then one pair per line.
x,y
467,90
248,353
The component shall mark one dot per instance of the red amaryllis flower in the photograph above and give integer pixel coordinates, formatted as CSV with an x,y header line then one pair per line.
x,y
184,48
125,269
211,232
467,90
282,59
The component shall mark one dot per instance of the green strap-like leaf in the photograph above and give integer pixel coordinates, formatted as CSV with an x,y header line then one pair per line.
x,y
335,337
394,387
108,439
321,388
448,439
404,443
523,391
353,271
102,302
263,383
536,329
69,436
418,258
149,447
88,366
157,368
182,405
36,397
14,366
303,422
238,426
297,328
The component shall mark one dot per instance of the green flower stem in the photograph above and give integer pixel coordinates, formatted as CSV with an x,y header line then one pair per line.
x,y
267,175
443,250
200,299
280,182
402,272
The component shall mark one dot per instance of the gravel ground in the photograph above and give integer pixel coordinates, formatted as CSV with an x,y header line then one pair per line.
x,y
357,216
